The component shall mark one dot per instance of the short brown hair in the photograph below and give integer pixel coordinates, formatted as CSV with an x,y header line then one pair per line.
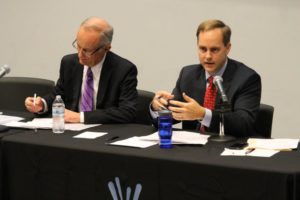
x,y
213,24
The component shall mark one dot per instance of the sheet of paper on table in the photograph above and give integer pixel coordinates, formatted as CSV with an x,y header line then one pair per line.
x,y
46,123
4,119
90,135
180,137
249,152
134,142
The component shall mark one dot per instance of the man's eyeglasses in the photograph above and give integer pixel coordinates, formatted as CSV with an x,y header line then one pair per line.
x,y
87,53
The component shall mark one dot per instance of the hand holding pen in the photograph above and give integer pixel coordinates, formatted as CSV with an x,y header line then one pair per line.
x,y
34,104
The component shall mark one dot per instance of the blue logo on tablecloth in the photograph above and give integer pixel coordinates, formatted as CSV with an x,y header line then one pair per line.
x,y
116,190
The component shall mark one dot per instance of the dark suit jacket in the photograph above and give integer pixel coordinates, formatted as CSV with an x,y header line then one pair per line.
x,y
243,88
117,94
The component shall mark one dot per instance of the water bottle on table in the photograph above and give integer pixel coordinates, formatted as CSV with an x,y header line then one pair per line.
x,y
165,129
58,113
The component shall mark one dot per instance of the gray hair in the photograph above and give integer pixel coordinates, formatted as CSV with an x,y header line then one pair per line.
x,y
102,27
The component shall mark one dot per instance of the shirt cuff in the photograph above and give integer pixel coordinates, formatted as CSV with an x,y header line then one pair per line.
x,y
81,117
45,107
154,114
207,118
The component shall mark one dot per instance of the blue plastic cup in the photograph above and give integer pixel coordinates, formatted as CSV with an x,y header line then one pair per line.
x,y
165,129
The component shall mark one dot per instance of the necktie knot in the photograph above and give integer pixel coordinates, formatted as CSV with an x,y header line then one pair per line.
x,y
89,74
210,80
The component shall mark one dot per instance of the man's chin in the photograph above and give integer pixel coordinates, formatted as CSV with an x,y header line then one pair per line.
x,y
83,61
210,68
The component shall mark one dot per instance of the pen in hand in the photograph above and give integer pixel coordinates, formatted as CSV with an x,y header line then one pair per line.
x,y
34,101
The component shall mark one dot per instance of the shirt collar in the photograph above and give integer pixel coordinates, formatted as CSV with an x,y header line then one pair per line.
x,y
218,73
96,68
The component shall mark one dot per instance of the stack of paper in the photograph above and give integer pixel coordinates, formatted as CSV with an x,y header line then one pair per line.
x,y
273,144
178,137
263,147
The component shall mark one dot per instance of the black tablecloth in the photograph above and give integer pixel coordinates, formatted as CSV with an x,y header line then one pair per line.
x,y
47,166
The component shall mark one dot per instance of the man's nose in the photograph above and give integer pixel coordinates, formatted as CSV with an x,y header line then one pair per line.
x,y
208,54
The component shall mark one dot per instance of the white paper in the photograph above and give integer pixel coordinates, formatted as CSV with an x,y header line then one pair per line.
x,y
46,123
79,126
134,142
245,152
26,125
180,137
275,144
4,119
90,135
263,153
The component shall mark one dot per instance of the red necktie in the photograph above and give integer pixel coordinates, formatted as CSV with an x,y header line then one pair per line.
x,y
209,98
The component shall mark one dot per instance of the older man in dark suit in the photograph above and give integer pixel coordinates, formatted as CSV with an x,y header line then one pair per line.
x,y
194,96
96,85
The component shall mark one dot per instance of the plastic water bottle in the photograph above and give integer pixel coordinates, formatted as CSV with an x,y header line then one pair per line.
x,y
58,113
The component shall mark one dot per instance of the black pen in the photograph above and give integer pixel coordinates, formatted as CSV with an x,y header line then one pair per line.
x,y
112,138
249,150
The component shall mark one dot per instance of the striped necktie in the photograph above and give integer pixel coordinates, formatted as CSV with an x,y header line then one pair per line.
x,y
88,92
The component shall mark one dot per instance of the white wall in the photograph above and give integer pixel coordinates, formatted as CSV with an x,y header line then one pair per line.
x,y
159,37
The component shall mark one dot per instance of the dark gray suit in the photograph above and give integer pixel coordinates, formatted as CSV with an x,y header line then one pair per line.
x,y
117,94
243,88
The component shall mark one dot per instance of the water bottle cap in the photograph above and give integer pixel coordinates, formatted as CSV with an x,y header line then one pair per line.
x,y
164,113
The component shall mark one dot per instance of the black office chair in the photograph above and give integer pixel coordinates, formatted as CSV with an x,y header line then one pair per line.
x,y
14,90
142,113
264,120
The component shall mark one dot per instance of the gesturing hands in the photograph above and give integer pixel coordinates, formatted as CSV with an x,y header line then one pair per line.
x,y
160,100
189,110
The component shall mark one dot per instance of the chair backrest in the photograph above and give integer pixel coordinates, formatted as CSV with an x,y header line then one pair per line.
x,y
264,120
142,113
14,90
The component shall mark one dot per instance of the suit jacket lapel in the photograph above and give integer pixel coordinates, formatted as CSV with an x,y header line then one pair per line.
x,y
77,85
227,76
201,82
104,79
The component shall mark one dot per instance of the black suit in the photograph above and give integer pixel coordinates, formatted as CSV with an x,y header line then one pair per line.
x,y
243,88
117,94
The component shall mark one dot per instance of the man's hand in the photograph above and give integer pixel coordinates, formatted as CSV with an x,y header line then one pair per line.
x,y
32,106
71,116
160,100
189,110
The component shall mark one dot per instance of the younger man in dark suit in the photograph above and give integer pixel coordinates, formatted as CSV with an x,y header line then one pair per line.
x,y
241,84
96,85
